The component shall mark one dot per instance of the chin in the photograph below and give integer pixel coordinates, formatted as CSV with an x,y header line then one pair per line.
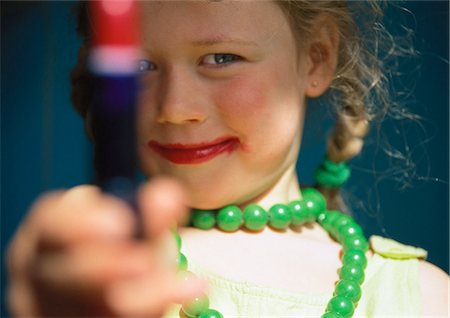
x,y
210,197
210,188
214,196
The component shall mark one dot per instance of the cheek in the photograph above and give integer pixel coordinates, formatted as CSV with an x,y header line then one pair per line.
x,y
261,106
243,103
146,113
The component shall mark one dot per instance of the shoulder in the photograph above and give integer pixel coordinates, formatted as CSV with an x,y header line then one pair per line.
x,y
433,281
434,285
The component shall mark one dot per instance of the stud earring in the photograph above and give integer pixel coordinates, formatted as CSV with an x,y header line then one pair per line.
x,y
314,84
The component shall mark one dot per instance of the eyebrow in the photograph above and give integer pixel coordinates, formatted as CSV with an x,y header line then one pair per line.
x,y
222,40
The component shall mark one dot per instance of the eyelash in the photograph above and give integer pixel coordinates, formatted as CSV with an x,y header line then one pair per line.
x,y
225,59
219,60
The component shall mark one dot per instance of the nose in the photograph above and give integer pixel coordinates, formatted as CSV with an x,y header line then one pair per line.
x,y
180,100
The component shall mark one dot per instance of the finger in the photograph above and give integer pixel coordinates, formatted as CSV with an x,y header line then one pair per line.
x,y
163,203
62,219
86,269
84,216
152,295
20,299
22,248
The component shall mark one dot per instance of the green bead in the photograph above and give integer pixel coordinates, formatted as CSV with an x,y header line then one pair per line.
x,y
352,272
195,306
177,237
203,219
355,242
355,257
322,216
255,217
330,216
210,313
229,218
327,219
300,212
341,306
342,220
313,192
315,201
182,262
330,314
280,216
349,289
339,221
347,230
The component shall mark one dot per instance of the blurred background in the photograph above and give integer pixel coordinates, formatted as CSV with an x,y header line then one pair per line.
x,y
44,147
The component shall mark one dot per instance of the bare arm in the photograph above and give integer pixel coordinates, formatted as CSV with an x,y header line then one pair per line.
x,y
434,283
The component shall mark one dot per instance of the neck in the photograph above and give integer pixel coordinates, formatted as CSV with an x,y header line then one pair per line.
x,y
286,189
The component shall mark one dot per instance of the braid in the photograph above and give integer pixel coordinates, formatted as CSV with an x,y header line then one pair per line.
x,y
352,123
359,80
347,138
356,87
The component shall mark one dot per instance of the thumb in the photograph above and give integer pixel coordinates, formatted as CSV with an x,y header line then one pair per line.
x,y
162,203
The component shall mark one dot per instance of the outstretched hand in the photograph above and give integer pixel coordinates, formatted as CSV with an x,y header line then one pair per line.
x,y
75,255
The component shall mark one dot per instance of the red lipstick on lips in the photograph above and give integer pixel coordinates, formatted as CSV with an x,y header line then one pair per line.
x,y
194,153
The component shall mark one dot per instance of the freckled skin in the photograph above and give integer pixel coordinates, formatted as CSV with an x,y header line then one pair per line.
x,y
259,99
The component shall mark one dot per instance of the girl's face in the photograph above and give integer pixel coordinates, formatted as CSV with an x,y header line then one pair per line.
x,y
222,101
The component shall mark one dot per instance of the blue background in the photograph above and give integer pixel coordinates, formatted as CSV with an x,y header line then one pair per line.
x,y
44,147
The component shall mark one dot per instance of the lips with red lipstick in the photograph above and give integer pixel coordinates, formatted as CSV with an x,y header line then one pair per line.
x,y
194,153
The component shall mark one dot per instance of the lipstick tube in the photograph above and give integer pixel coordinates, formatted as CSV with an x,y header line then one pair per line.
x,y
113,61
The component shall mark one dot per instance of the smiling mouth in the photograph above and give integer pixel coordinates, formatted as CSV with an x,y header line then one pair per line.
x,y
194,153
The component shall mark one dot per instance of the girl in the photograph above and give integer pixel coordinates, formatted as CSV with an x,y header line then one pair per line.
x,y
224,90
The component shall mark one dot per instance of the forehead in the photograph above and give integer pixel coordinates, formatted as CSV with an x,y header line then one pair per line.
x,y
193,20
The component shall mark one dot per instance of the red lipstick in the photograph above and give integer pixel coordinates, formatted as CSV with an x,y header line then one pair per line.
x,y
194,153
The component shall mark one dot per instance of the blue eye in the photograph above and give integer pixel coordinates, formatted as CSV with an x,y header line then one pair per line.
x,y
220,58
145,66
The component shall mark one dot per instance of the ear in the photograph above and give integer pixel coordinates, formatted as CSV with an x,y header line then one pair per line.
x,y
322,55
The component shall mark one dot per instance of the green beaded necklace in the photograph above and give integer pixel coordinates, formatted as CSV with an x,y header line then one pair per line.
x,y
311,208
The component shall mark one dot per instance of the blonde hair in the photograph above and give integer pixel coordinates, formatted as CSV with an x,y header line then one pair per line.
x,y
359,92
